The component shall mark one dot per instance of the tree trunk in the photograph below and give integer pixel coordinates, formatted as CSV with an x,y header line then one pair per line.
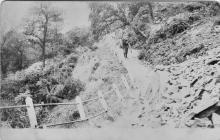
x,y
151,12
44,40
20,61
43,55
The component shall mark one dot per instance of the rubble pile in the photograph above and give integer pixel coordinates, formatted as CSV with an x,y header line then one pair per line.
x,y
192,90
193,42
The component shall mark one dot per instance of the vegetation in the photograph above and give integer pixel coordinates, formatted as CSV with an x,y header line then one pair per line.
x,y
106,18
40,38
13,52
47,81
42,28
152,27
53,84
77,37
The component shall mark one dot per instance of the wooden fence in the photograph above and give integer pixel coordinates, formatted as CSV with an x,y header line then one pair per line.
x,y
78,102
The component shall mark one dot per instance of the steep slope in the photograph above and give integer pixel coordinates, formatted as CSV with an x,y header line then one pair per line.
x,y
190,42
191,87
154,100
98,70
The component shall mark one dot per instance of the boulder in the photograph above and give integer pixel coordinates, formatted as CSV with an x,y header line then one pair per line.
x,y
205,104
216,119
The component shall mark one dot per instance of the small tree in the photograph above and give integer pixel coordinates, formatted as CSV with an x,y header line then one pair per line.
x,y
77,37
13,48
105,17
40,28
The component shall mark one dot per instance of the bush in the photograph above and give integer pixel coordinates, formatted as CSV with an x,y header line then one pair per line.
x,y
141,55
212,8
72,88
33,78
177,28
10,89
193,18
41,113
40,83
216,22
193,7
174,26
16,118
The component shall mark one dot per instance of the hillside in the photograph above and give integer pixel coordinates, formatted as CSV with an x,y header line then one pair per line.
x,y
192,43
171,107
172,70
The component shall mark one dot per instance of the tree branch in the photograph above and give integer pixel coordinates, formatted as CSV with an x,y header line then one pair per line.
x,y
34,35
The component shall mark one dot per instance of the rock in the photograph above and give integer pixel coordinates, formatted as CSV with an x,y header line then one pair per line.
x,y
210,87
202,123
171,123
110,118
160,67
205,104
192,85
190,123
217,81
173,90
216,119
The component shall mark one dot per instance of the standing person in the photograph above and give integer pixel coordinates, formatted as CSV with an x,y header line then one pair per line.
x,y
125,46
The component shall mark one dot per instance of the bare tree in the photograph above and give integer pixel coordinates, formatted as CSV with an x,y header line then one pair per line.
x,y
41,26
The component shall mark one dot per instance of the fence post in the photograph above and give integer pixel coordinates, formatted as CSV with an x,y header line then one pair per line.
x,y
31,112
44,127
131,79
80,108
102,100
118,92
125,82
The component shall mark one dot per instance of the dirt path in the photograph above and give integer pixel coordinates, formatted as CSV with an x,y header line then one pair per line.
x,y
140,75
99,70
138,72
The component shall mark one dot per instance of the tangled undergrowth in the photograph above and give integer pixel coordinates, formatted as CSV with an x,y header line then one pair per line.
x,y
51,84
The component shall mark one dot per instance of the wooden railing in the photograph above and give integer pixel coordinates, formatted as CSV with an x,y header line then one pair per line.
x,y
78,102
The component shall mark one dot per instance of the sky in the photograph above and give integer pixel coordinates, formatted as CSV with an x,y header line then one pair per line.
x,y
75,14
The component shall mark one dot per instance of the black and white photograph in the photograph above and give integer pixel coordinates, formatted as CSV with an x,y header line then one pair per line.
x,y
97,70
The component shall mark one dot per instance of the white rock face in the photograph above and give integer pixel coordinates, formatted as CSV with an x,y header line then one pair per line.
x,y
216,119
192,87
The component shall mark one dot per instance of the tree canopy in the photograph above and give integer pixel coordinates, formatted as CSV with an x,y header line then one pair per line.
x,y
13,54
106,17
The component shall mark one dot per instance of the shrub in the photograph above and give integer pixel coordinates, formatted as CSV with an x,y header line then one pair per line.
x,y
141,55
177,28
212,8
40,83
193,18
72,88
216,22
175,25
16,118
93,47
41,114
193,7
